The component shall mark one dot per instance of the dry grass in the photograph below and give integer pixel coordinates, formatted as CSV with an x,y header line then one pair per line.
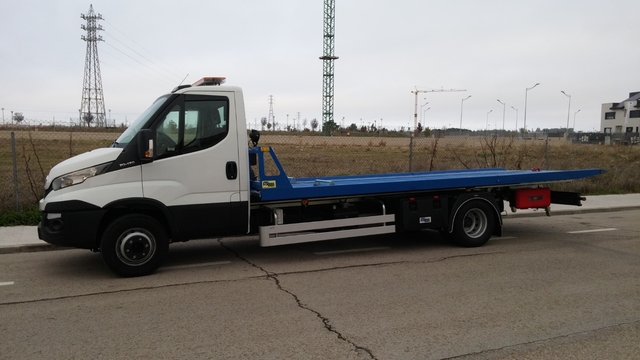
x,y
310,156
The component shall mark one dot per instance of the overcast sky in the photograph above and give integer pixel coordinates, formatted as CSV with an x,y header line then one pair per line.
x,y
494,49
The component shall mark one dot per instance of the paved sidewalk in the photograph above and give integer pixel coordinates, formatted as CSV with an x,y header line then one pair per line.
x,y
25,238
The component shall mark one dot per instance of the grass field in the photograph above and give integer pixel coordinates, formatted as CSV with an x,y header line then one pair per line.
x,y
308,156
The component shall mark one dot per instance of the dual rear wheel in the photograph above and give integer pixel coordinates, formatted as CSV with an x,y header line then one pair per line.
x,y
473,225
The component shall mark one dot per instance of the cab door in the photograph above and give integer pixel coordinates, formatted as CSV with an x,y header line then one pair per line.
x,y
195,168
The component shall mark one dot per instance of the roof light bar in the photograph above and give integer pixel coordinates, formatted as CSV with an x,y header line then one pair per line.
x,y
210,80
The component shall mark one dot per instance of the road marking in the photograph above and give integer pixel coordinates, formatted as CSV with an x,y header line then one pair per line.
x,y
351,250
6,283
196,265
502,238
589,231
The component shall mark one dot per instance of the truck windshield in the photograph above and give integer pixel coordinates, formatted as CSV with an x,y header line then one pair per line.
x,y
133,129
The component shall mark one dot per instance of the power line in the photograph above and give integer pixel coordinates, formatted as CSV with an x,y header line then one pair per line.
x,y
142,56
130,73
125,35
139,62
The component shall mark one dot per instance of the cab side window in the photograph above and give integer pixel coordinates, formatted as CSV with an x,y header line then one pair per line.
x,y
191,125
167,133
206,123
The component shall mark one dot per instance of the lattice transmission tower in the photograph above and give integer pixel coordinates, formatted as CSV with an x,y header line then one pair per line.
x,y
327,60
92,107
271,119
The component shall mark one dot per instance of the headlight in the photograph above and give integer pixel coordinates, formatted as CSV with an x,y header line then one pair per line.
x,y
77,177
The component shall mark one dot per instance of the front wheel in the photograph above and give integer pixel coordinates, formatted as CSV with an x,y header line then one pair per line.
x,y
134,245
474,224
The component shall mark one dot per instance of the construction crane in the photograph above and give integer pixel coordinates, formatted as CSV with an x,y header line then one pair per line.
x,y
416,92
328,58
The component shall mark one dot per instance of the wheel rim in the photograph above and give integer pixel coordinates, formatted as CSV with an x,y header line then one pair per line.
x,y
475,223
136,247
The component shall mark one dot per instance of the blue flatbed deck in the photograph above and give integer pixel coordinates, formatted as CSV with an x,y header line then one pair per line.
x,y
281,187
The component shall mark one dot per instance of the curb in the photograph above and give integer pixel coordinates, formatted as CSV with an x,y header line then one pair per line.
x,y
539,213
28,248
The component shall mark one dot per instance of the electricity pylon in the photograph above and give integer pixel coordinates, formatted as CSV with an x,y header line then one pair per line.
x,y
92,106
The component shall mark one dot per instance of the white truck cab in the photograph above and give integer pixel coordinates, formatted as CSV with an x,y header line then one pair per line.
x,y
179,172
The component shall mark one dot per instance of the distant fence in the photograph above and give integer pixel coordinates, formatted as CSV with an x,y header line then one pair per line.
x,y
606,139
27,153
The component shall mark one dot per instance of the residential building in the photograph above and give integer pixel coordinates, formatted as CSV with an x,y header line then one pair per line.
x,y
621,117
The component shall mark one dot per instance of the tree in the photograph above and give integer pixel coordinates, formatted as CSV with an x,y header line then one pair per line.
x,y
18,117
417,130
88,118
329,126
173,127
427,132
314,124
353,127
263,121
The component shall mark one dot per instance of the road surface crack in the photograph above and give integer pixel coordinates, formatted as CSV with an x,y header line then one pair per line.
x,y
543,341
325,321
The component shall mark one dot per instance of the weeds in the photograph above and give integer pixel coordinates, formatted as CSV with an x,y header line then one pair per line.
x,y
314,156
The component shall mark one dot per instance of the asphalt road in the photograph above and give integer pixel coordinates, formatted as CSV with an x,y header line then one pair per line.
x,y
564,287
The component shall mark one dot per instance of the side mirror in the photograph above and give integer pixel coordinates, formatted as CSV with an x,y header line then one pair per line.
x,y
145,146
255,137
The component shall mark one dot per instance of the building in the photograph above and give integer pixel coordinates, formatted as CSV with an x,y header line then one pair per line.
x,y
622,117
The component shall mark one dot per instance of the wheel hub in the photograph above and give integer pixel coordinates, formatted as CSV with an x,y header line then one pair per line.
x,y
136,248
475,223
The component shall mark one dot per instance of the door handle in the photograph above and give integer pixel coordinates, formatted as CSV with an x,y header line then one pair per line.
x,y
232,170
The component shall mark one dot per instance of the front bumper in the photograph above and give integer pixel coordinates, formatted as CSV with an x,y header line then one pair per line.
x,y
70,226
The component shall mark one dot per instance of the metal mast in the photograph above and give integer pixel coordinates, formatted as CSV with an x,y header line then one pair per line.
x,y
327,60
92,107
271,119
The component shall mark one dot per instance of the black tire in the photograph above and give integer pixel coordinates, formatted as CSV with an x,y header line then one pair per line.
x,y
134,245
474,224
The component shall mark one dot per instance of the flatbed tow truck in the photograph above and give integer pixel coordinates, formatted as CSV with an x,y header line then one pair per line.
x,y
183,171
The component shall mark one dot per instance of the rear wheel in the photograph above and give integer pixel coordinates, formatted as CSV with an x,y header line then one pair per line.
x,y
474,224
134,245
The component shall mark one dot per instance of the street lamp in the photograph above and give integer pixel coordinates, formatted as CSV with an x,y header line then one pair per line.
x,y
568,110
461,107
504,107
516,118
487,127
11,117
421,106
424,114
525,105
574,119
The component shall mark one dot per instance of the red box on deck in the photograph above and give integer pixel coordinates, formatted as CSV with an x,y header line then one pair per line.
x,y
532,198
